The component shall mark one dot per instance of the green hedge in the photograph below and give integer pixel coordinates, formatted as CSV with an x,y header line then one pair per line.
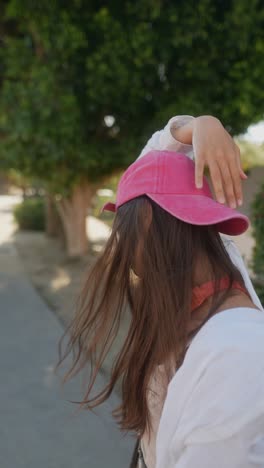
x,y
30,214
258,233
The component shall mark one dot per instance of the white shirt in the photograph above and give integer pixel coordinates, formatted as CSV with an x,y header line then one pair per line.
x,y
213,415
170,448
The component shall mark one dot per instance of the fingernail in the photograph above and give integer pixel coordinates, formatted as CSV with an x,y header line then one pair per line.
x,y
239,202
233,205
199,185
221,200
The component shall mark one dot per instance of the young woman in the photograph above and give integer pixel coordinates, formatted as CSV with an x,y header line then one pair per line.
x,y
191,368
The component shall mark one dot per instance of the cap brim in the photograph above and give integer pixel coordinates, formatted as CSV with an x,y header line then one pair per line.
x,y
201,210
109,206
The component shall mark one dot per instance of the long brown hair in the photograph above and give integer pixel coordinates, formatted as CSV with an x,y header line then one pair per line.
x,y
159,302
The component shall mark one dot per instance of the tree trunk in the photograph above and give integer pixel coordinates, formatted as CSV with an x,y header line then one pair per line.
x,y
73,213
53,223
4,184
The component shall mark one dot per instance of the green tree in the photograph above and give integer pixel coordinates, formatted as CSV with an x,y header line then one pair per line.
x,y
84,84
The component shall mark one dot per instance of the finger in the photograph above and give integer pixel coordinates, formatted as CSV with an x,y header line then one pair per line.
x,y
234,169
217,182
227,182
238,155
199,171
242,174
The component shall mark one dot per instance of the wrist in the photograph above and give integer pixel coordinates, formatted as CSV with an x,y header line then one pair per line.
x,y
207,118
183,133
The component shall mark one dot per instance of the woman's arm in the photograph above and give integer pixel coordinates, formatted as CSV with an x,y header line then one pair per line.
x,y
165,139
205,139
215,148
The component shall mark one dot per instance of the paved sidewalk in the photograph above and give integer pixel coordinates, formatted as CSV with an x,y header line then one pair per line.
x,y
39,427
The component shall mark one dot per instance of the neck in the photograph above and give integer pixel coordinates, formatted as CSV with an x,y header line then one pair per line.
x,y
237,297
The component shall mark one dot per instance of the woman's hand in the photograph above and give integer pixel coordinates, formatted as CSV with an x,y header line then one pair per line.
x,y
215,148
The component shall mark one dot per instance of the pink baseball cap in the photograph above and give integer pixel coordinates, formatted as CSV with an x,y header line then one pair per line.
x,y
168,178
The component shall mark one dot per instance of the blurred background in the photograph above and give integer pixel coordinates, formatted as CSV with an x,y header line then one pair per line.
x,y
83,85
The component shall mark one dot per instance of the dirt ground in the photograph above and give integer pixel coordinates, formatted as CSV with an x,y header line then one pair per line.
x,y
57,279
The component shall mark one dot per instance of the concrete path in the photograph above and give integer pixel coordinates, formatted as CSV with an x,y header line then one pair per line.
x,y
39,428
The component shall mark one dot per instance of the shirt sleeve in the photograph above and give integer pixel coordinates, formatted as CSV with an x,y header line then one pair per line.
x,y
220,414
164,140
228,395
243,450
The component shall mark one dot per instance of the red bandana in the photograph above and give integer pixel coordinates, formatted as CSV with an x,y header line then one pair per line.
x,y
201,293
